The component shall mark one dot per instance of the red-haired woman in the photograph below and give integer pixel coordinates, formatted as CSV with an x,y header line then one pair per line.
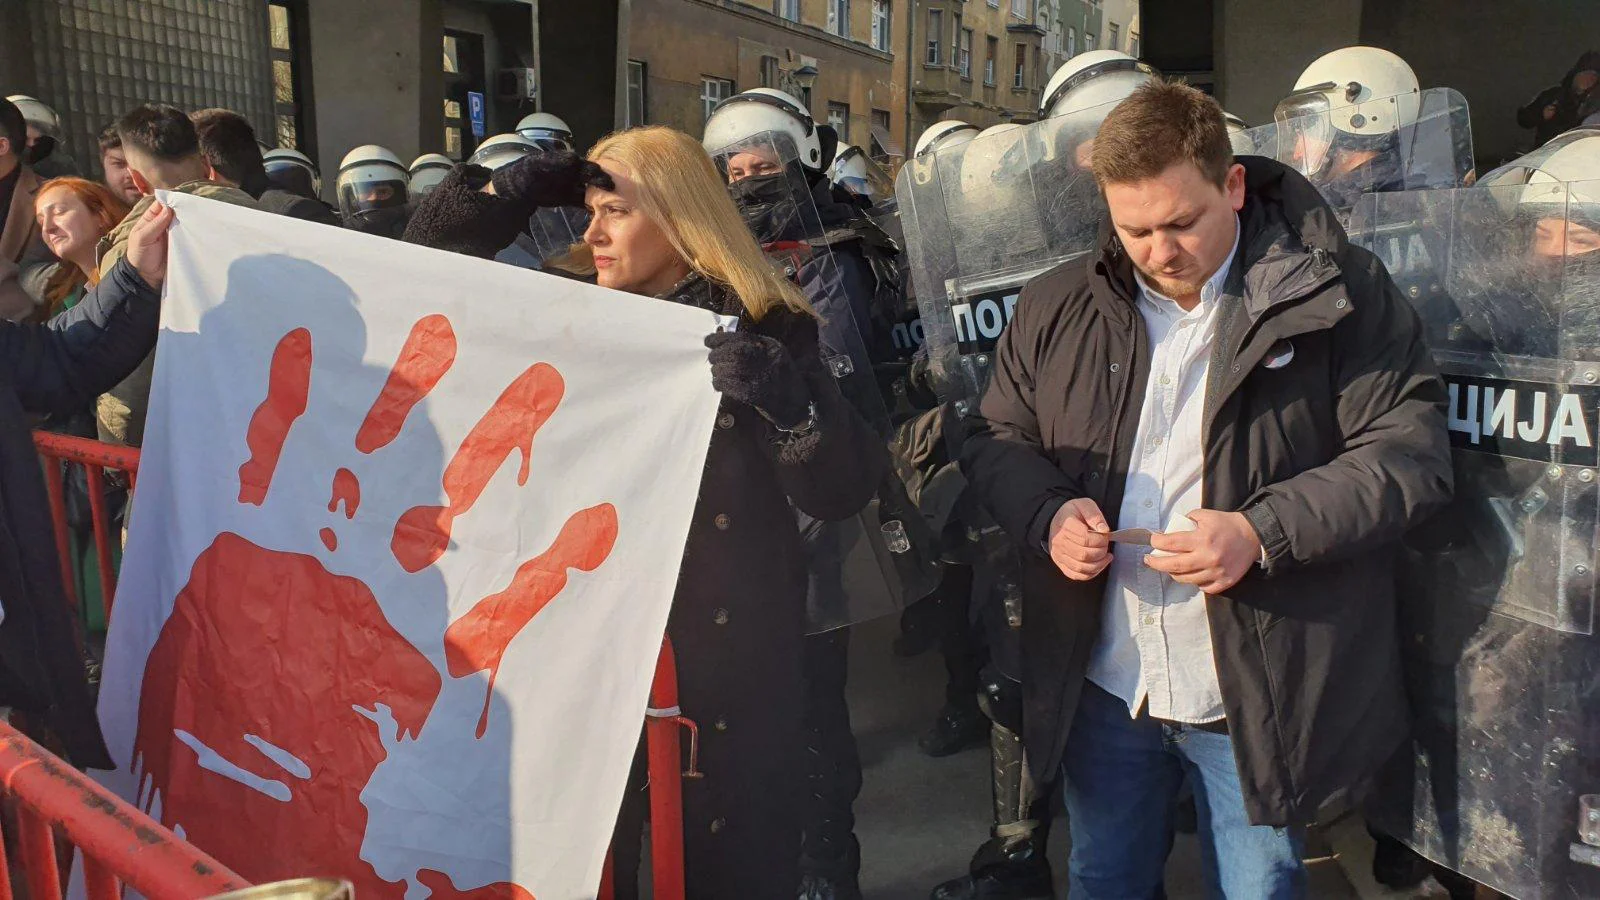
x,y
74,214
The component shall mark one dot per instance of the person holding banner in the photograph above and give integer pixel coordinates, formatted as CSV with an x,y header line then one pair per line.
x,y
664,226
52,369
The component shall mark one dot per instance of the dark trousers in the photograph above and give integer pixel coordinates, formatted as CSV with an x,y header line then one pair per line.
x,y
833,765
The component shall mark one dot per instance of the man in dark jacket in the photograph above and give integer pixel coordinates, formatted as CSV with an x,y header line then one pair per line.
x,y
48,369
1248,397
1564,106
228,143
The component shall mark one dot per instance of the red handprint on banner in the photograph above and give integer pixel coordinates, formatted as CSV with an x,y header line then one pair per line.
x,y
266,695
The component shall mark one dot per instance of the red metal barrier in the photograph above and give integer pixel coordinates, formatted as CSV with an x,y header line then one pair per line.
x,y
62,786
120,844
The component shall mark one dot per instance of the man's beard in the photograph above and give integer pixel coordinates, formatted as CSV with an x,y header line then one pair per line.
x,y
1171,287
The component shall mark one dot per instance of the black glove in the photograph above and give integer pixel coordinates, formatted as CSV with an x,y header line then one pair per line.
x,y
550,179
759,372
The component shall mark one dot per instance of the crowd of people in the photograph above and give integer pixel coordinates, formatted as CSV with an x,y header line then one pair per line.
x,y
1154,526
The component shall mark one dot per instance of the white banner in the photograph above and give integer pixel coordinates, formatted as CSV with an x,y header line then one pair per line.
x,y
407,530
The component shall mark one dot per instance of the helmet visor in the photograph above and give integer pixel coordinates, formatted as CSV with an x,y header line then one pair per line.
x,y
358,196
1305,129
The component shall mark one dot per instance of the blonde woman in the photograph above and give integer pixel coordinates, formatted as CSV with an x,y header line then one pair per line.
x,y
664,226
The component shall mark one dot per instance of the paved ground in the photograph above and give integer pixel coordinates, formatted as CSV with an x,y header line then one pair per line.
x,y
920,818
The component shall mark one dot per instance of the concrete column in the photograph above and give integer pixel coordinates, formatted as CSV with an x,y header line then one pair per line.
x,y
377,78
1262,46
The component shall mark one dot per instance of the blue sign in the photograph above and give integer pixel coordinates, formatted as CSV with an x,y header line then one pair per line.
x,y
475,114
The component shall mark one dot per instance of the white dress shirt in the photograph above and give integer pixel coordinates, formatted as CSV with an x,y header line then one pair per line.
x,y
1155,639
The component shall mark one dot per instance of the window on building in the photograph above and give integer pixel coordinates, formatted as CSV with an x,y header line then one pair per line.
x,y
1088,41
1019,78
288,115
935,31
994,4
636,93
992,61
880,25
880,119
1019,8
839,17
955,41
788,9
770,72
1133,44
878,145
1113,36
965,63
712,92
1072,42
839,118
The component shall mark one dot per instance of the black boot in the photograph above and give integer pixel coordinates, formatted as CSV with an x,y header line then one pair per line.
x,y
957,728
836,878
999,872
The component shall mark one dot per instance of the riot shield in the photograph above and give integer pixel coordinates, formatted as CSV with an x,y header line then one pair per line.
x,y
980,221
1498,592
882,559
551,234
1431,149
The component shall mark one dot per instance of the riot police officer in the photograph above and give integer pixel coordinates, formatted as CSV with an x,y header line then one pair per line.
x,y
293,171
372,191
45,156
776,159
427,171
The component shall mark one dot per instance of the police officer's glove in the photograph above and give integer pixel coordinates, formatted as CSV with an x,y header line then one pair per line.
x,y
759,372
550,179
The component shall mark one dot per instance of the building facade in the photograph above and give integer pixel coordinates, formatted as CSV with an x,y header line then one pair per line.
x,y
980,61
838,57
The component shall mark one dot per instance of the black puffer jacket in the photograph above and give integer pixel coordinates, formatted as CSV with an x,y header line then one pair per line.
x,y
1333,452
739,612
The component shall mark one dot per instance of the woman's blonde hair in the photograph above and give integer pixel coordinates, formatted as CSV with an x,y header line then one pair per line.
x,y
681,191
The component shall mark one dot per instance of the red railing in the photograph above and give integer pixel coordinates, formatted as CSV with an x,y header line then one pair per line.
x,y
121,844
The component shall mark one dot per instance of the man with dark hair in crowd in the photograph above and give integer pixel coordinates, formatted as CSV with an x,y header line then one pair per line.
x,y
162,148
115,164
24,260
228,142
1208,438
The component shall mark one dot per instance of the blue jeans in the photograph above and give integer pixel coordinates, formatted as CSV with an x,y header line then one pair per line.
x,y
1122,777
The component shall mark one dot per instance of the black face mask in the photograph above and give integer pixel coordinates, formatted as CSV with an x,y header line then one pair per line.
x,y
769,207
41,149
387,222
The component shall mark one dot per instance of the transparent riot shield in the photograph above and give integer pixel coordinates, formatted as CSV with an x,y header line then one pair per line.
x,y
1497,597
1347,151
876,563
551,234
983,219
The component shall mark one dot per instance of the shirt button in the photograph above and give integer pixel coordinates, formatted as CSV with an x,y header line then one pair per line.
x,y
1156,441
718,823
1149,503
1115,368
1149,620
725,421
721,724
720,617
722,521
1165,379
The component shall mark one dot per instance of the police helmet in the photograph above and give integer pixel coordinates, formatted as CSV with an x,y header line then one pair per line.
x,y
1093,79
292,171
546,132
502,150
371,178
942,135
765,111
427,171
